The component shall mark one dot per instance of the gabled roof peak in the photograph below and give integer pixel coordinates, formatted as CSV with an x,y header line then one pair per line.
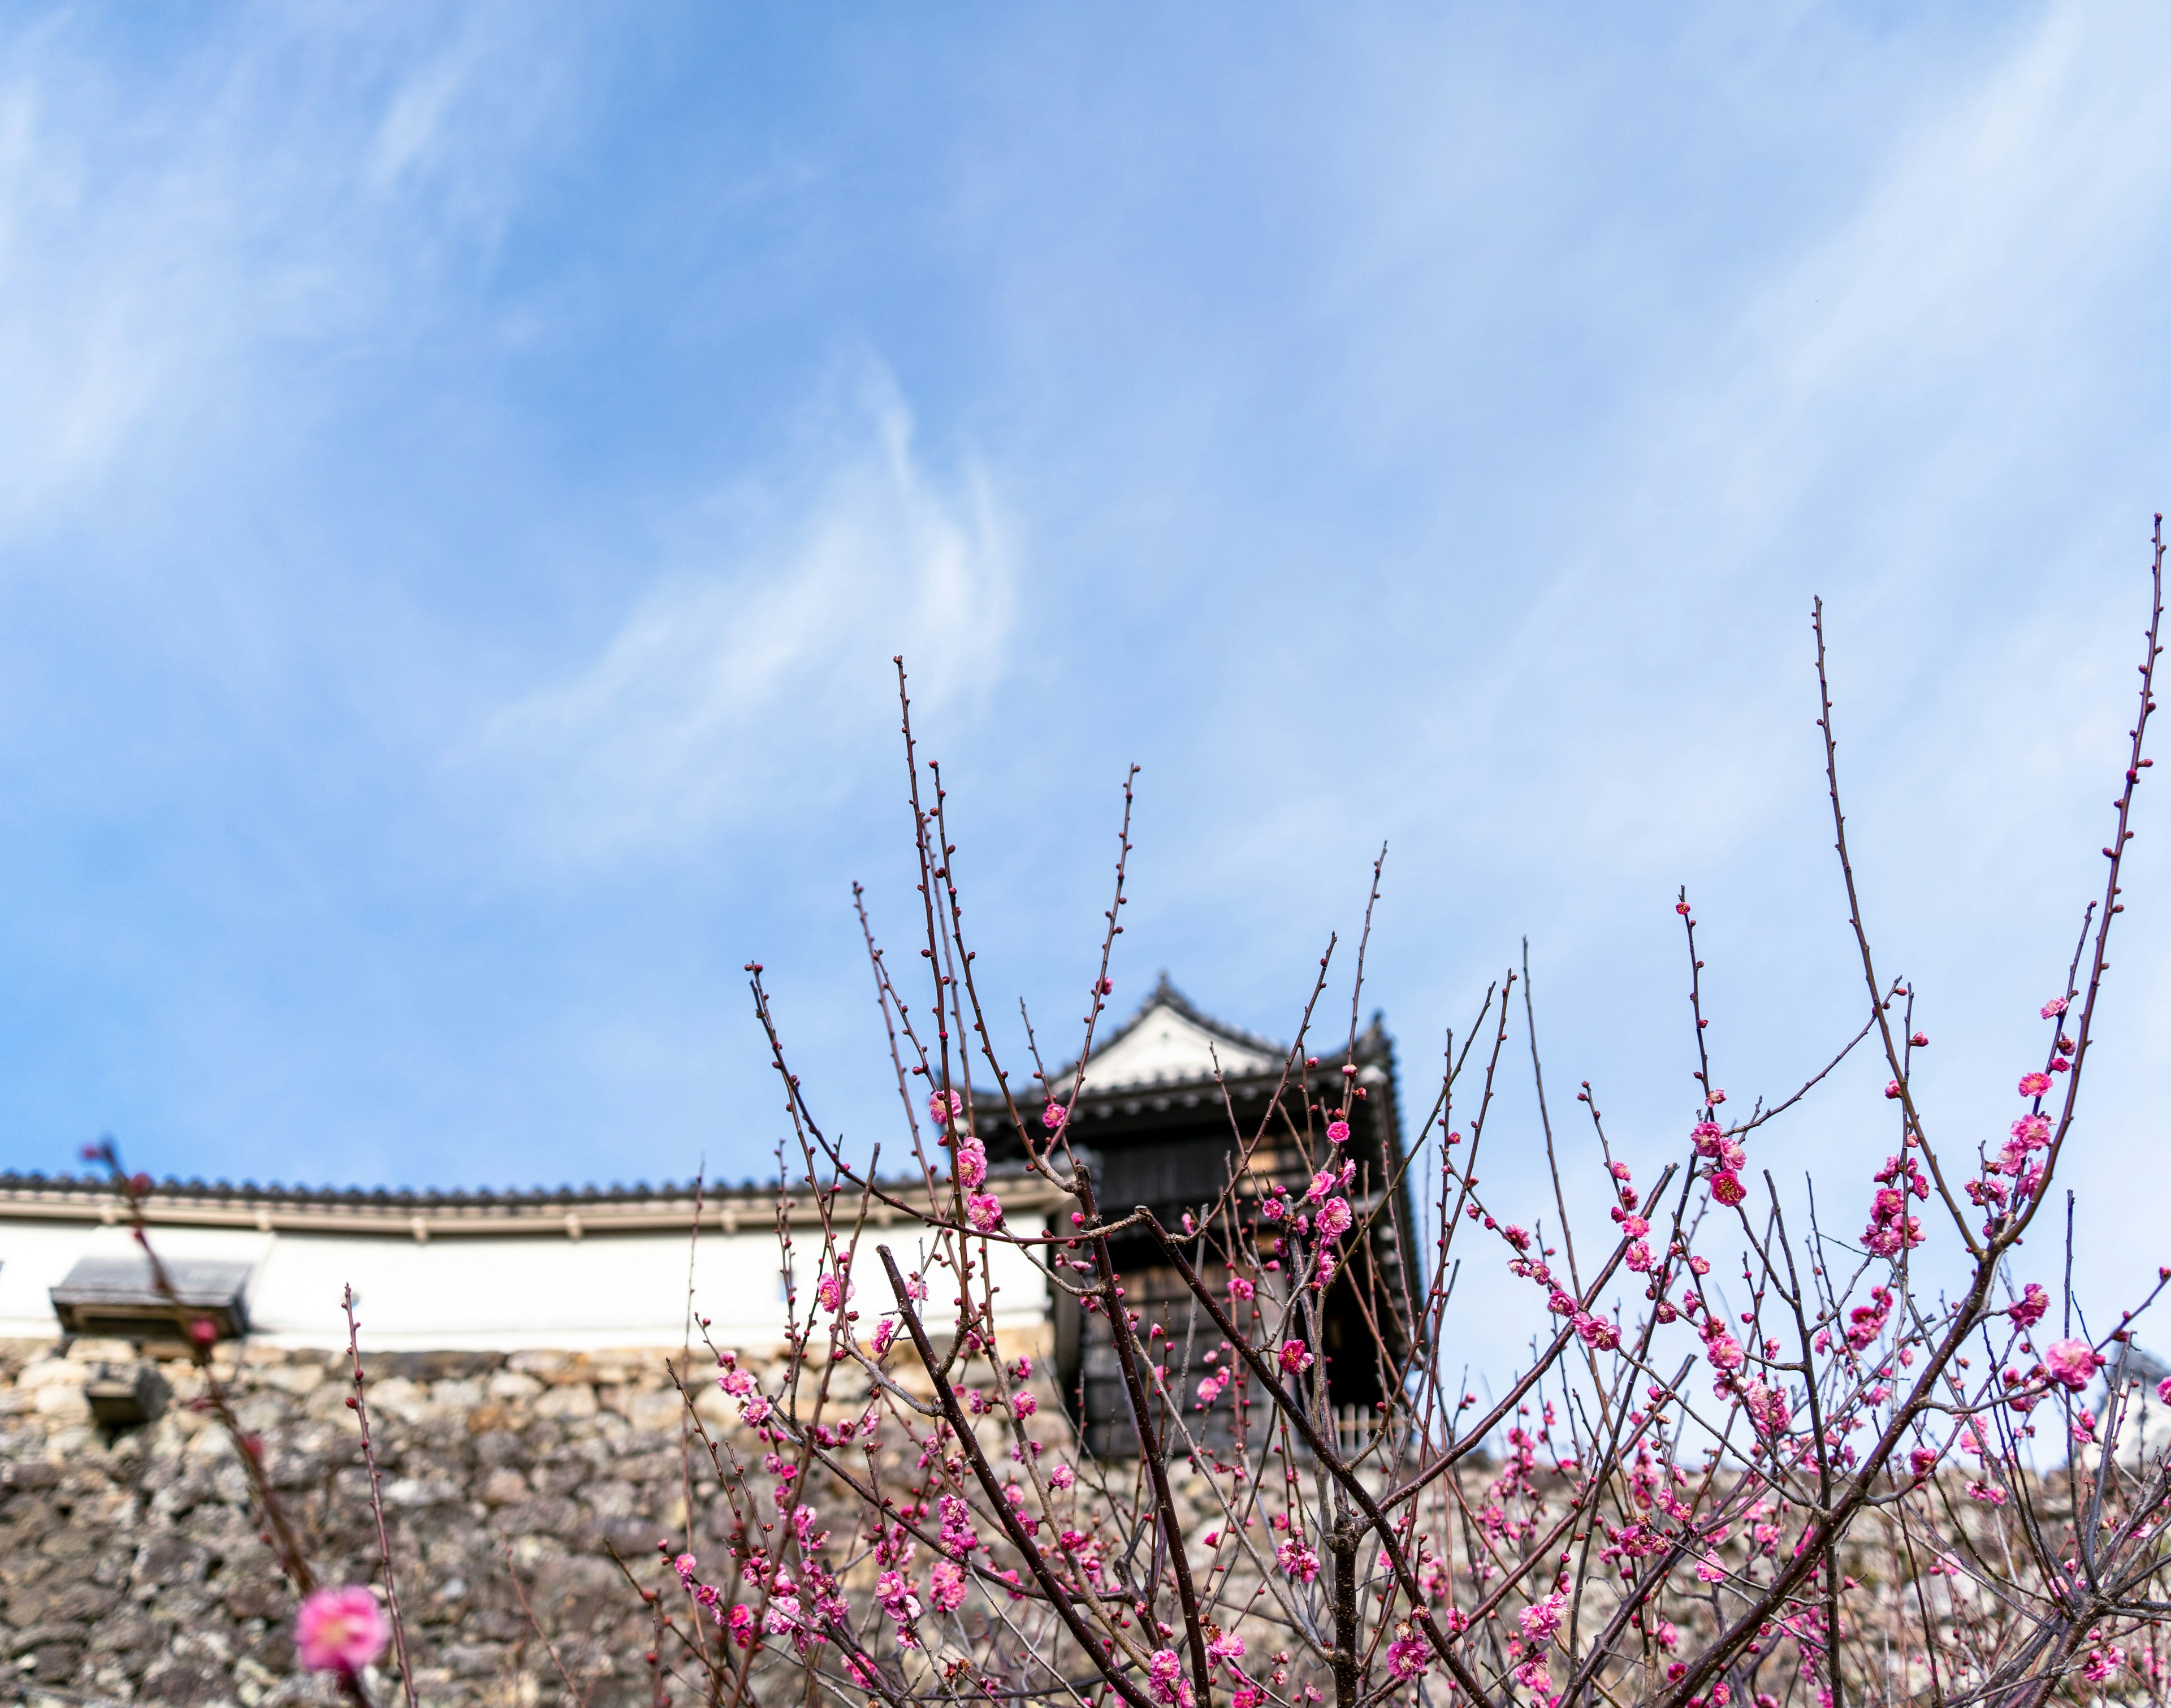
x,y
1171,1041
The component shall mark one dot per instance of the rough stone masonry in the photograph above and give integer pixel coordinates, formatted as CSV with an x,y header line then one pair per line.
x,y
131,1571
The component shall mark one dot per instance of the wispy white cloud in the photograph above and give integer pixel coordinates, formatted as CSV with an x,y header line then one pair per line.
x,y
1860,421
168,245
1408,446
1928,407
745,680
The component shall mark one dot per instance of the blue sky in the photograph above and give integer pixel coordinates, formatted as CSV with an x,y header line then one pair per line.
x,y
464,474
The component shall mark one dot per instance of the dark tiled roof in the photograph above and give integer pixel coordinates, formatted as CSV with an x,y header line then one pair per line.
x,y
385,1198
428,1211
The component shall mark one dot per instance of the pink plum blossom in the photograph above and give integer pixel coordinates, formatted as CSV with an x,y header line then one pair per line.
x,y
1542,1617
945,1586
893,1590
1724,1351
2071,1363
339,1630
2102,1665
1769,1413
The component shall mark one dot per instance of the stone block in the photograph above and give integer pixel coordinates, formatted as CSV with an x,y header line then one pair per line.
x,y
298,1380
658,1409
420,1491
49,1602
564,1475
27,1637
125,1630
573,1399
53,1663
474,1660
101,1352
456,1397
500,1446
185,1684
62,1403
633,1536
397,1397
555,1516
261,1593
576,1589
612,1498
166,1560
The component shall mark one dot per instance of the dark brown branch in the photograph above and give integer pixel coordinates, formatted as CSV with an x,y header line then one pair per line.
x,y
361,1406
1095,1650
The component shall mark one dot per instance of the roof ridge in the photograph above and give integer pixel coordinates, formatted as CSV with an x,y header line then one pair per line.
x,y
17,1183
1165,994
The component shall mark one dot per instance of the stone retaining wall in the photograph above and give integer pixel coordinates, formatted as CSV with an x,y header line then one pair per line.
x,y
130,1569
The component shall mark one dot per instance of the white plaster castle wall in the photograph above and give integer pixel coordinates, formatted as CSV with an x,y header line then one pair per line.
x,y
497,1293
